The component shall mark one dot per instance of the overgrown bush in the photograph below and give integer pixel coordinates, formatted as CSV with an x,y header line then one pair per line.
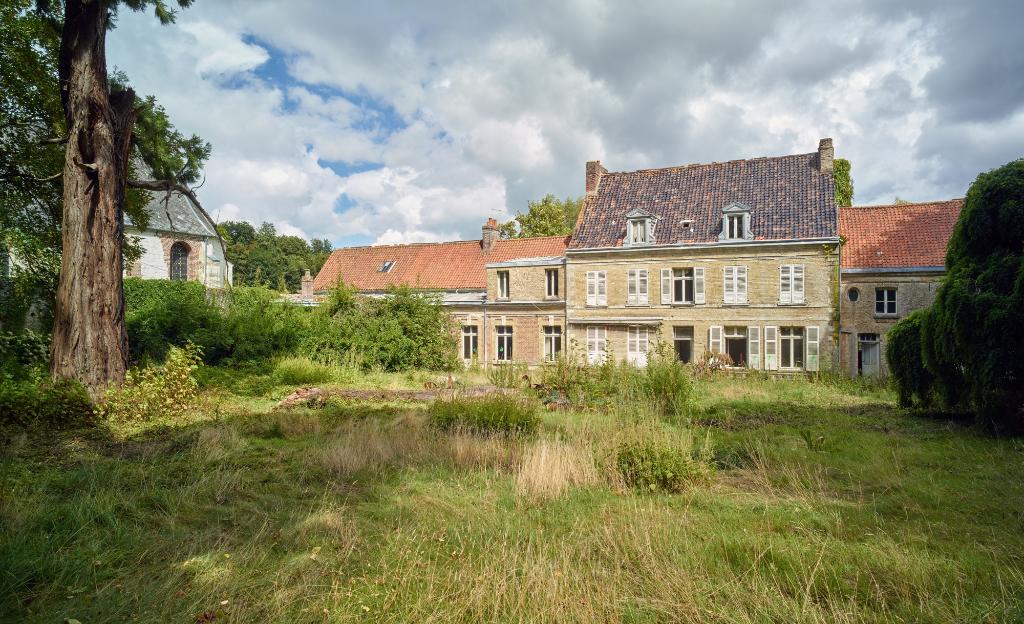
x,y
160,314
154,391
299,371
257,325
650,464
38,401
665,385
25,347
500,413
904,353
511,375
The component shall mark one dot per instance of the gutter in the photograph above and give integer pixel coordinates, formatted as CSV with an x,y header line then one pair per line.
x,y
717,245
914,269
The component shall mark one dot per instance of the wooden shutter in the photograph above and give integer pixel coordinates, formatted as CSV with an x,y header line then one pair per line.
x,y
812,348
698,285
771,348
591,287
798,283
729,284
666,286
641,287
754,346
785,284
715,339
602,288
741,284
632,287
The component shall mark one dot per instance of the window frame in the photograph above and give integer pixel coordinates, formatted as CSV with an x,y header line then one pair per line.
x,y
504,285
734,276
473,338
637,336
637,287
597,344
678,337
504,346
551,283
790,337
599,281
882,297
739,332
175,258
680,280
792,284
552,342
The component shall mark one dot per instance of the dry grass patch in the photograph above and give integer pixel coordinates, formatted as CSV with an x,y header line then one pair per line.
x,y
217,442
296,424
550,466
467,449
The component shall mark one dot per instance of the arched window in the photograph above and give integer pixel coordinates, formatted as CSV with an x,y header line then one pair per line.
x,y
179,261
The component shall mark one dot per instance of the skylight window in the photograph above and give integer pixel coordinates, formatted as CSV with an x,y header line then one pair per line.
x,y
387,266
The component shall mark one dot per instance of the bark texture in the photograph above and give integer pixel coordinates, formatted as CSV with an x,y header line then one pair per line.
x,y
90,343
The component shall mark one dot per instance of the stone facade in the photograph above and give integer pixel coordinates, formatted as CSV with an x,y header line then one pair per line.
x,y
155,261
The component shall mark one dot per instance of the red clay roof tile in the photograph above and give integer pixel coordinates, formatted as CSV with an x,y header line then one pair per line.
x,y
898,235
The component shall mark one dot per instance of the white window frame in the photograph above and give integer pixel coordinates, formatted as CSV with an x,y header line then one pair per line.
x,y
771,348
812,342
551,282
886,301
637,344
472,332
503,334
735,223
791,284
734,287
671,276
597,344
716,340
552,339
739,332
754,347
504,284
597,288
638,232
787,341
636,290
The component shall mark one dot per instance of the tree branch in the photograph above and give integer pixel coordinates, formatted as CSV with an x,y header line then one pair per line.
x,y
53,141
168,186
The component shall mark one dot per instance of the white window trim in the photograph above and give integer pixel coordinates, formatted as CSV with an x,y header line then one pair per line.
x,y
637,287
597,344
791,284
597,288
548,282
734,285
504,285
792,353
549,333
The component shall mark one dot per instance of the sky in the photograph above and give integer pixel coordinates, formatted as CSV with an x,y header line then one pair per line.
x,y
397,122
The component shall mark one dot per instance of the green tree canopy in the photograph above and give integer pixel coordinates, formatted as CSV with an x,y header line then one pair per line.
x,y
844,183
261,257
549,216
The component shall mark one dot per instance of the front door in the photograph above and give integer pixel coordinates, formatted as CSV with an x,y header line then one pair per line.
x,y
868,354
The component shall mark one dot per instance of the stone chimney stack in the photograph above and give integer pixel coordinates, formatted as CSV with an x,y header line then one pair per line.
x,y
490,234
594,173
825,155
307,285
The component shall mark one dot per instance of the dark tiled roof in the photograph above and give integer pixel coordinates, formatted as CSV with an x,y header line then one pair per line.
x,y
898,235
444,266
175,212
788,196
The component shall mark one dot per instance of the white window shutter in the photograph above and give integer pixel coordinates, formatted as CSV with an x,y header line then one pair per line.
x,y
741,284
729,284
785,284
698,285
591,288
602,288
771,348
798,283
631,287
666,286
812,348
754,347
641,290
715,339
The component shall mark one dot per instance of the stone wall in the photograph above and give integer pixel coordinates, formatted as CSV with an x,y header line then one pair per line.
x,y
527,325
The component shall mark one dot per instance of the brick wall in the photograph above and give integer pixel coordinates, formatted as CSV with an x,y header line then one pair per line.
x,y
526,283
527,330
196,253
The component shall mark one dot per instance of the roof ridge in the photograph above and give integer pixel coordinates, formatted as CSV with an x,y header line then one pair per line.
x,y
921,203
710,164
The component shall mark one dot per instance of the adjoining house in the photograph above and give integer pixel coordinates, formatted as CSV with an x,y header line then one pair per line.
x,y
180,242
893,262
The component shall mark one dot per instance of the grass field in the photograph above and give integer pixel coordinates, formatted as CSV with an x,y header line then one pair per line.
x,y
826,505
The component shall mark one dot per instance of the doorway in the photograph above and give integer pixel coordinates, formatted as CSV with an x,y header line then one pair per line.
x,y
868,354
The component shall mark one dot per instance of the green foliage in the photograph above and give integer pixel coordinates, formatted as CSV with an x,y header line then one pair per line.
x,y
40,401
545,217
844,183
155,391
650,464
24,348
500,413
904,353
160,314
665,385
263,258
511,375
302,371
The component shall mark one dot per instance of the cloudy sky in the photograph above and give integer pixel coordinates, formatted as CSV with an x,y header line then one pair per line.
x,y
377,122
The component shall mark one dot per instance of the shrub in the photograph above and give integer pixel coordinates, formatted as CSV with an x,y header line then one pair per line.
x,y
904,352
160,314
297,371
25,348
501,413
258,325
30,402
155,391
652,463
511,375
665,384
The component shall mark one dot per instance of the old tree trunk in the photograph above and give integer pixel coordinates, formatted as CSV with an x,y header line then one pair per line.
x,y
89,339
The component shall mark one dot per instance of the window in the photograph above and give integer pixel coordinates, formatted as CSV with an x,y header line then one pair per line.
x,y
736,223
735,284
387,266
597,288
853,294
552,342
682,285
638,232
597,344
504,335
470,342
636,345
885,301
736,345
791,347
503,289
179,261
551,278
791,283
682,338
639,228
637,287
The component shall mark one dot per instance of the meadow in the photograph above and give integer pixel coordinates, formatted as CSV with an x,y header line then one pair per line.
x,y
808,501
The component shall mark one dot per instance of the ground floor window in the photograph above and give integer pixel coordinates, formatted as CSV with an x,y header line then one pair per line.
x,y
636,345
736,345
470,342
179,261
791,346
682,338
552,342
868,354
504,340
597,344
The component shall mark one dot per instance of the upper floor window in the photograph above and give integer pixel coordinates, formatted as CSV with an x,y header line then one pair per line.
x,y
736,222
387,266
503,286
179,261
597,288
639,227
885,301
682,285
791,283
551,278
636,293
735,287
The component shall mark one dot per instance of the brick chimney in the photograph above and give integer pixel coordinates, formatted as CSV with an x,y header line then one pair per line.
x,y
490,234
825,155
307,285
594,173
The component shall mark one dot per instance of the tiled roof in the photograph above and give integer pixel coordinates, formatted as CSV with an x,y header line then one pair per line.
x,y
899,235
789,199
444,266
175,212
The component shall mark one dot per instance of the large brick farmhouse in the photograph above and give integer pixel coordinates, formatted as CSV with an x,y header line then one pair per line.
x,y
748,258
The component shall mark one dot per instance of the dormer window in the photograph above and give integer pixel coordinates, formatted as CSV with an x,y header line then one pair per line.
x,y
639,228
387,266
736,223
